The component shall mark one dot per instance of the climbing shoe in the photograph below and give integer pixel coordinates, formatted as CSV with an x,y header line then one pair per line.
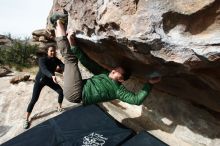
x,y
154,75
59,16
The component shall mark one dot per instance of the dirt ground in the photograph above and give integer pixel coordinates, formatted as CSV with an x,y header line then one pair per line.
x,y
14,100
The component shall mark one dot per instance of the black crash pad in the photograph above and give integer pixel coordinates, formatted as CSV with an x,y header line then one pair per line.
x,y
144,139
81,126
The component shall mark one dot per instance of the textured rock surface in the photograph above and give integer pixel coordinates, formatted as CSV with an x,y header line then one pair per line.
x,y
178,38
43,38
171,119
4,40
19,78
4,71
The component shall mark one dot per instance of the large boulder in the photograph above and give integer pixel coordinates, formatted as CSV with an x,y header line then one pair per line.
x,y
43,38
4,71
180,39
5,41
43,35
19,78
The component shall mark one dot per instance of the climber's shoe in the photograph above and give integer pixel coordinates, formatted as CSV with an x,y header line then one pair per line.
x,y
63,16
155,74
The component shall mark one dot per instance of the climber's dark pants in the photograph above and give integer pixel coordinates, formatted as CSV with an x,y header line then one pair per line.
x,y
39,84
72,76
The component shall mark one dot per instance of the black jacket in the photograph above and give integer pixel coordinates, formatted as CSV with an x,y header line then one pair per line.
x,y
47,67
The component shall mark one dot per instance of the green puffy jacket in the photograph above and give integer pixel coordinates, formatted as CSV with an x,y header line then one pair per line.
x,y
101,88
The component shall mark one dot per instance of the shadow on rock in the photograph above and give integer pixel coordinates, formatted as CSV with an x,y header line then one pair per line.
x,y
4,130
177,116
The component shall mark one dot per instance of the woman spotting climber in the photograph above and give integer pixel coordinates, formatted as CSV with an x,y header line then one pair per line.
x,y
46,76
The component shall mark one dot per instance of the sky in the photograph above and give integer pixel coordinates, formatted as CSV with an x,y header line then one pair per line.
x,y
21,17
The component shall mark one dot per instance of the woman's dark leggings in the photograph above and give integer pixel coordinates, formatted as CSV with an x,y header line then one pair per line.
x,y
37,89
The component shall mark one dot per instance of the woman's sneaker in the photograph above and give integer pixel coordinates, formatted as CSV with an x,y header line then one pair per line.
x,y
26,124
60,109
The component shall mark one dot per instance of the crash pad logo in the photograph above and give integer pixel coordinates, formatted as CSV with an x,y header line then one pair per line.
x,y
94,139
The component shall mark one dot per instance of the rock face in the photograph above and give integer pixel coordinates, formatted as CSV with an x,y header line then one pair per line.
x,y
4,40
180,39
19,78
4,71
43,38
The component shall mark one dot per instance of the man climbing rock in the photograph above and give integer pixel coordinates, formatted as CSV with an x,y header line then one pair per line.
x,y
104,85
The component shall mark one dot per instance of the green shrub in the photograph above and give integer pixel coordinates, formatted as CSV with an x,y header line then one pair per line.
x,y
20,54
